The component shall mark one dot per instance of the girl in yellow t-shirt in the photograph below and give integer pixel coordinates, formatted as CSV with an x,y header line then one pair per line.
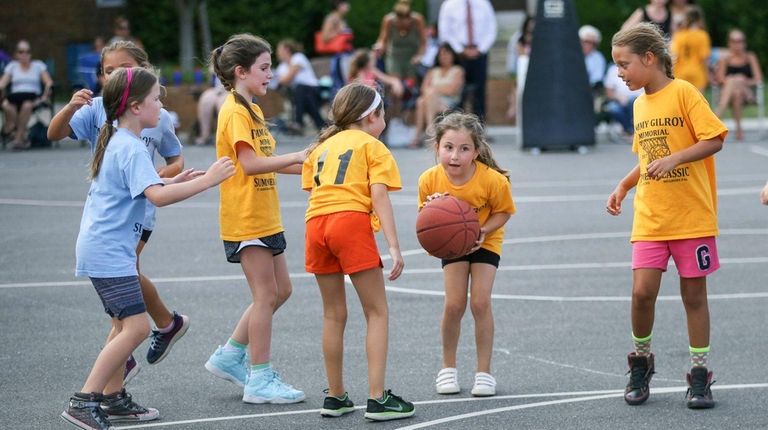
x,y
249,215
466,170
349,174
676,137
691,48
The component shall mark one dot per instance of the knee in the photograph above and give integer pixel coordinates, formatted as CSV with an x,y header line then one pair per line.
x,y
480,306
27,106
694,300
138,329
284,293
455,310
375,311
336,315
643,297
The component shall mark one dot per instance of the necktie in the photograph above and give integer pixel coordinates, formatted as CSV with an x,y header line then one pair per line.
x,y
470,32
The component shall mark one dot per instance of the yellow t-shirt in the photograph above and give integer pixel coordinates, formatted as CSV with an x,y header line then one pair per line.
x,y
487,192
249,207
691,49
340,171
682,204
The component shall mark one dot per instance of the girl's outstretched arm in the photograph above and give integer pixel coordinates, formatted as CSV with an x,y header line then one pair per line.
x,y
383,208
173,166
613,205
255,165
163,195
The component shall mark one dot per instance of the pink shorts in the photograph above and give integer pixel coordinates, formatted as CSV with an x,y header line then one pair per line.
x,y
694,258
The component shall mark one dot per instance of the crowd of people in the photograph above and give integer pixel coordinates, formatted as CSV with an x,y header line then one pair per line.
x,y
349,172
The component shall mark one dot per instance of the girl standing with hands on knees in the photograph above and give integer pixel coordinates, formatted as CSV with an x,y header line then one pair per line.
x,y
249,214
349,174
123,179
676,137
81,119
467,170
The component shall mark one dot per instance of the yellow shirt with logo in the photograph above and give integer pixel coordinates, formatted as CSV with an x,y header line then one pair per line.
x,y
487,192
340,171
249,207
683,203
691,49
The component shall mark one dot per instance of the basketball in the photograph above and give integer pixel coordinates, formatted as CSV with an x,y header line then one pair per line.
x,y
447,227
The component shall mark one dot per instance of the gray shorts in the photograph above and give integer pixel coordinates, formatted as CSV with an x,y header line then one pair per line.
x,y
121,297
276,243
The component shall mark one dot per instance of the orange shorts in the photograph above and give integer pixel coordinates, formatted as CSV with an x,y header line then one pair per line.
x,y
340,242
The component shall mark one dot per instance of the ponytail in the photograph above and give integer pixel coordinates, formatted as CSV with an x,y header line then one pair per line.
x,y
350,106
105,133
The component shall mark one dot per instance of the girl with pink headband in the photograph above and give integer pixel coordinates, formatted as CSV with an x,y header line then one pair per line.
x,y
123,179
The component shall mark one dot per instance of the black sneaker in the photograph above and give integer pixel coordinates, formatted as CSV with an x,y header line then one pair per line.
x,y
393,407
121,407
641,369
336,406
132,369
162,342
84,412
699,395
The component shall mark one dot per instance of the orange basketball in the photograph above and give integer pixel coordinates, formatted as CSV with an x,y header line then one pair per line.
x,y
447,227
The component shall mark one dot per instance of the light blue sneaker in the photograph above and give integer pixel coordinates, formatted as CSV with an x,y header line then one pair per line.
x,y
229,365
265,386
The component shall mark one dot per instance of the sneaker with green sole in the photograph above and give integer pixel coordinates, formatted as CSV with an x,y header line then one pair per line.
x,y
391,407
336,406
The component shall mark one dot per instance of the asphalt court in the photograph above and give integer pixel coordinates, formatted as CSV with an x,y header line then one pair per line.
x,y
561,305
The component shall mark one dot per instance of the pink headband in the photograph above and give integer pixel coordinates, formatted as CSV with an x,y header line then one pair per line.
x,y
124,98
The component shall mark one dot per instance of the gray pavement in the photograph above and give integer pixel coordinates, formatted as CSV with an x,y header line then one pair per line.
x,y
560,301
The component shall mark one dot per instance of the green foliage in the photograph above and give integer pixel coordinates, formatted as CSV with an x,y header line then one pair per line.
x,y
721,16
157,22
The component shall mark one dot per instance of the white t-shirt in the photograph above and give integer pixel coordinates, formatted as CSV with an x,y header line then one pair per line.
x,y
26,81
305,75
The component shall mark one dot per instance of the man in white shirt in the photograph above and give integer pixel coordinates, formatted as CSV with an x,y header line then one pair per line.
x,y
469,26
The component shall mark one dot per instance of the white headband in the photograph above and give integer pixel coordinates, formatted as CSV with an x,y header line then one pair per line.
x,y
372,107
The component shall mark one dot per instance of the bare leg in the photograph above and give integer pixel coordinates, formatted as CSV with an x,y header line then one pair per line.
x,y
131,331
420,113
155,306
645,289
369,285
10,117
455,277
21,122
694,294
434,107
483,276
334,321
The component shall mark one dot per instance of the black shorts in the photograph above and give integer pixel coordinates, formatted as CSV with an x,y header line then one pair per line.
x,y
145,235
18,99
482,255
276,243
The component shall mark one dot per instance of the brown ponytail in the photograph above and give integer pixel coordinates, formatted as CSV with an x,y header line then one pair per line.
x,y
350,102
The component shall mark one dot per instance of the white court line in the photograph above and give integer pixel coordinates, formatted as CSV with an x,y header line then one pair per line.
x,y
396,201
563,401
576,396
759,150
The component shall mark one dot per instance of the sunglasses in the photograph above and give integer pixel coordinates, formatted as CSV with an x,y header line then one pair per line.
x,y
22,51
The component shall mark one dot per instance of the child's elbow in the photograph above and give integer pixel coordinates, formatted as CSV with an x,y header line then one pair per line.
x,y
155,196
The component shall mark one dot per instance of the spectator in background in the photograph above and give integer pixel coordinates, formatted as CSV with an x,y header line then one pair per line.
x,y
593,59
518,50
31,84
691,48
737,71
619,100
440,91
470,28
362,68
121,29
208,107
88,66
677,11
295,72
402,40
335,25
655,12
427,60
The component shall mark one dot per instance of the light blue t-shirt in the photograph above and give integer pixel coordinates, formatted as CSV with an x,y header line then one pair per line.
x,y
114,211
87,122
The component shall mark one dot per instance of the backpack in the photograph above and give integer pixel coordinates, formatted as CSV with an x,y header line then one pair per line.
x,y
38,135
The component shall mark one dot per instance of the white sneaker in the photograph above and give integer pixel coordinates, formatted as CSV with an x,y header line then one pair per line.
x,y
447,381
485,385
